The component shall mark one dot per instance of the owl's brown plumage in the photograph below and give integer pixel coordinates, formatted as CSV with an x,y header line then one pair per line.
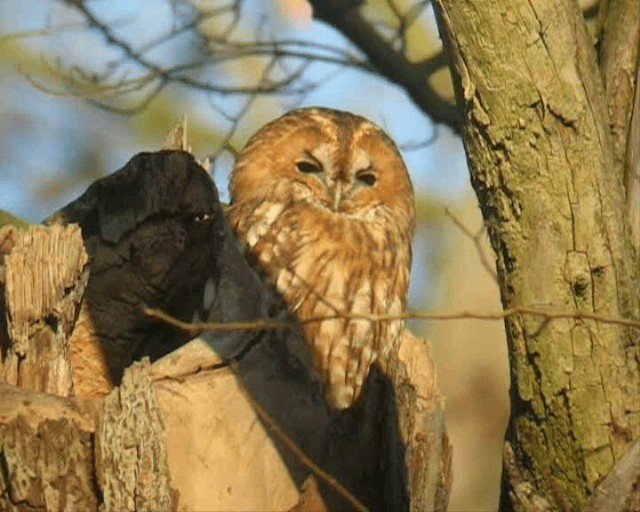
x,y
324,204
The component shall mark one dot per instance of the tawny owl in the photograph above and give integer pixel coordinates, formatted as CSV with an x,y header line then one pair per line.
x,y
324,205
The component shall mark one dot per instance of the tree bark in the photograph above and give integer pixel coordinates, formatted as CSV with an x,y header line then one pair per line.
x,y
46,276
542,159
46,453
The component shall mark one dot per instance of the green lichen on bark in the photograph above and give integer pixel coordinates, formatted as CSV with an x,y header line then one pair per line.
x,y
536,133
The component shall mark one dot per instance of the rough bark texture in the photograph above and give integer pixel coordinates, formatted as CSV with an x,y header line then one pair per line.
x,y
131,453
183,433
619,54
46,453
46,276
541,155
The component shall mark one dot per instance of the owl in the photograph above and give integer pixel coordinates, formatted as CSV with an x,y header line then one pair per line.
x,y
323,204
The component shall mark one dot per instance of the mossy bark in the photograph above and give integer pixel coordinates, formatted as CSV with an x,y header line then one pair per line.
x,y
542,162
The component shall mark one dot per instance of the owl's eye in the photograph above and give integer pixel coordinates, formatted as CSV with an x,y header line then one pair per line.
x,y
366,177
308,167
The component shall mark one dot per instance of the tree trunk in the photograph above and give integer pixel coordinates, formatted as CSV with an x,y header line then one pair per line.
x,y
190,431
544,166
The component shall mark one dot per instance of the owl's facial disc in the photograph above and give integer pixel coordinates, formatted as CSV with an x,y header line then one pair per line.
x,y
335,180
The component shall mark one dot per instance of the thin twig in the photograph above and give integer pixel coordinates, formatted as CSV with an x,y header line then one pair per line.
x,y
372,53
477,241
257,325
294,448
416,145
47,31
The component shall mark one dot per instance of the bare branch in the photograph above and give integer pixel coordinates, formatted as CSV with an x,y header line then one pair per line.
x,y
259,325
632,171
46,31
417,145
345,16
77,82
619,53
616,489
221,31
136,74
477,242
405,20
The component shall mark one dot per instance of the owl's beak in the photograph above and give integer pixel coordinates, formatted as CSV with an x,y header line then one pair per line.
x,y
337,195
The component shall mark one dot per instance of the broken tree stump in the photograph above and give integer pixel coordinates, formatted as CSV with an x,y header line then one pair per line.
x,y
180,429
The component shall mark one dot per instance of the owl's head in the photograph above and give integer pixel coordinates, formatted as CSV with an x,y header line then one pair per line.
x,y
337,162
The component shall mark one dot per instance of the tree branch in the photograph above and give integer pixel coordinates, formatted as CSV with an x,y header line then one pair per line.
x,y
619,57
616,489
259,325
345,16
